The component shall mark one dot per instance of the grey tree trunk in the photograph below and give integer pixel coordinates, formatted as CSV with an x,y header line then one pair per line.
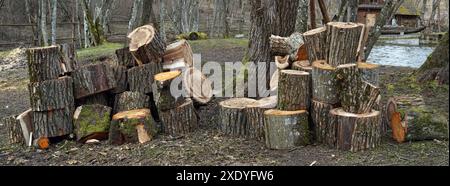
x,y
44,22
134,14
341,16
54,15
162,16
423,11
436,4
148,16
302,16
86,33
353,10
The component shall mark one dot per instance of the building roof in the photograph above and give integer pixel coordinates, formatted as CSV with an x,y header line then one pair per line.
x,y
408,8
370,6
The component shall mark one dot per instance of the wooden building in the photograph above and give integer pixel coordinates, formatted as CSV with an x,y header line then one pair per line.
x,y
407,15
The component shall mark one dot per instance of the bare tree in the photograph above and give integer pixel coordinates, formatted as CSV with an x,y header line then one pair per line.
x,y
44,22
432,18
134,15
342,12
54,12
148,16
352,10
302,16
94,22
162,16
184,15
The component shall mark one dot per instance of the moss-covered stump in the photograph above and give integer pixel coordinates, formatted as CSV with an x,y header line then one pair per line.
x,y
93,79
141,78
286,129
294,90
325,87
125,58
131,101
164,99
51,94
134,126
13,130
44,63
233,120
255,116
424,124
91,122
146,45
52,123
180,120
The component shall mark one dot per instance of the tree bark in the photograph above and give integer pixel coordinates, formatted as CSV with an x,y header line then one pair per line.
x,y
99,98
92,79
135,126
162,95
320,118
141,78
324,11
70,62
370,73
146,45
91,122
437,61
233,120
255,116
51,94
52,123
181,120
44,63
343,40
312,14
125,58
54,15
130,101
293,90
325,87
316,44
44,22
120,75
302,16
353,10
283,46
13,130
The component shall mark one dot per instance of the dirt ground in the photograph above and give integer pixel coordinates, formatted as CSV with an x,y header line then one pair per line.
x,y
208,146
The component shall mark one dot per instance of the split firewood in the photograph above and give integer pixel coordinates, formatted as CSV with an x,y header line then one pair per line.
x,y
164,99
70,62
180,120
197,86
91,122
283,46
51,94
45,63
42,143
26,123
177,53
92,79
343,40
233,120
293,90
52,123
282,62
131,127
141,78
130,101
13,130
320,118
370,72
125,58
316,44
286,129
354,132
255,116
325,87
146,45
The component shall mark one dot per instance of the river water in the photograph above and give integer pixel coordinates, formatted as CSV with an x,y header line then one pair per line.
x,y
400,52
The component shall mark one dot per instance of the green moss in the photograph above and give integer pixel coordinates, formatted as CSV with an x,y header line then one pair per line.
x,y
92,121
102,50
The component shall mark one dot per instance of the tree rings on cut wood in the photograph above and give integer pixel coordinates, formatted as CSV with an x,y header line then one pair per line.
x,y
180,120
91,122
45,63
164,99
51,94
233,119
146,45
131,101
178,52
255,116
52,123
125,58
197,86
304,65
343,40
286,129
320,118
13,130
140,78
93,79
316,44
325,87
42,143
293,90
370,73
134,126
355,132
282,62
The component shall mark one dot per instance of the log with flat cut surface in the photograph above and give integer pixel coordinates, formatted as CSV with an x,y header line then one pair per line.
x,y
233,119
91,122
52,123
130,101
343,40
134,126
316,44
293,90
45,63
370,72
197,86
178,52
124,58
320,118
13,130
255,116
146,45
325,88
164,99
141,78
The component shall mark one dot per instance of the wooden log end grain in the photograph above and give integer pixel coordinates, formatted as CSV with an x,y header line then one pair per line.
x,y
176,52
282,62
146,45
134,126
197,86
233,120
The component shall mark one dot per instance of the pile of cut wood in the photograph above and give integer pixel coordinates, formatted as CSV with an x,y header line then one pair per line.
x,y
124,101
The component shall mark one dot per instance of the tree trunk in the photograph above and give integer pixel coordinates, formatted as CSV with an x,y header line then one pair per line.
x,y
125,58
92,79
162,94
141,78
286,129
130,101
316,44
162,17
325,87
181,120
343,40
135,126
342,12
54,15
146,45
52,123
51,94
302,17
13,130
255,116
312,14
436,4
91,122
370,73
324,11
320,118
148,16
45,63
293,90
134,13
353,10
233,120
44,22
95,28
437,61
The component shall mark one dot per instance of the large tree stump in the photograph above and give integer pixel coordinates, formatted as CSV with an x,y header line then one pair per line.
x,y
355,132
120,75
180,120
325,87
320,118
370,73
26,123
197,86
164,99
45,63
52,123
356,96
178,54
293,90
146,45
130,101
233,120
141,78
91,122
51,94
92,79
13,130
70,62
255,116
132,127
316,44
286,129
343,40
125,58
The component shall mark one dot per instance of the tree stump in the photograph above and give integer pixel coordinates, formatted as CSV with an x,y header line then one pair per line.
x,y
141,78
178,52
180,120
164,99
320,118
355,132
282,62
316,44
197,86
370,73
293,90
233,120
120,75
70,62
134,126
51,94
26,123
52,123
255,116
130,101
125,58
325,87
44,63
13,130
343,40
92,79
356,96
91,122
146,45
286,129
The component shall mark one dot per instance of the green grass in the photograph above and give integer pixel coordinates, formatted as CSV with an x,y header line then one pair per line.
x,y
201,45
102,50
4,53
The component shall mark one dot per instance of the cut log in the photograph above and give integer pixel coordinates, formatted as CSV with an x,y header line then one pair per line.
x,y
398,130
91,122
125,58
134,126
282,62
316,44
42,143
320,118
70,62
164,99
286,129
355,132
45,63
146,45
293,90
52,123
25,120
13,130
343,40
140,78
233,120
286,46
92,79
51,94
120,75
255,116
325,87
306,67
178,51
100,99
130,101
197,86
356,95
302,53
181,120
370,73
